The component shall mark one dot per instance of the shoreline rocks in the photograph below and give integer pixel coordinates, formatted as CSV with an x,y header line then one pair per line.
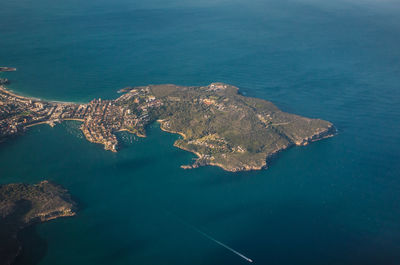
x,y
23,205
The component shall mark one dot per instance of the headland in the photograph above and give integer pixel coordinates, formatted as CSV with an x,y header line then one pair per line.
x,y
22,205
222,127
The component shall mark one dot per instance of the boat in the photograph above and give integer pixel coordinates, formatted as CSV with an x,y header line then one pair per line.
x,y
7,69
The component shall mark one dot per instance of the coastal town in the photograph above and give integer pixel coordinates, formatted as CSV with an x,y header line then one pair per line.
x,y
100,118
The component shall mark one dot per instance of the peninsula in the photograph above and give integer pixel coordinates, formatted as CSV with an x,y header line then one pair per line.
x,y
22,205
218,124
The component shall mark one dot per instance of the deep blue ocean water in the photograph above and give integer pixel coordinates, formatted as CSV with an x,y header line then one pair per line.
x,y
335,201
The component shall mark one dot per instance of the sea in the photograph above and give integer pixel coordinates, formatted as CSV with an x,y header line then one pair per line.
x,y
335,201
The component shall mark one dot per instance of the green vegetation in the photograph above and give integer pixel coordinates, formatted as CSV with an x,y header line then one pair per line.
x,y
22,205
227,129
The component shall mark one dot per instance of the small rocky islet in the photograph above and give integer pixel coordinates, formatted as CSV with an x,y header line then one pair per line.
x,y
5,81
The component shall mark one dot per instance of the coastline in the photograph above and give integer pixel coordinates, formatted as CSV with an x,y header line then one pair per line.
x,y
51,123
131,112
25,205
318,136
170,131
131,132
21,95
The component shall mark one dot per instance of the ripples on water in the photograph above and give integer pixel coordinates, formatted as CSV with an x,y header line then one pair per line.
x,y
73,128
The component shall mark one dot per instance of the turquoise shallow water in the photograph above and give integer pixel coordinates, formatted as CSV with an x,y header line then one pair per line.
x,y
333,202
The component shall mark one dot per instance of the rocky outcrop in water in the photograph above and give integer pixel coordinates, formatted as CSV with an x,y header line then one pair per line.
x,y
4,81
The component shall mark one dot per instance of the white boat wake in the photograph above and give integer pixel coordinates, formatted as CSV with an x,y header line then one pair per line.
x,y
214,240
223,245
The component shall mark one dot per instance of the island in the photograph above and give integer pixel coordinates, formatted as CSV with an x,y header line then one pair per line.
x,y
22,205
215,122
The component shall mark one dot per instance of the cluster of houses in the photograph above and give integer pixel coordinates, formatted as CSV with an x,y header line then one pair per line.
x,y
101,118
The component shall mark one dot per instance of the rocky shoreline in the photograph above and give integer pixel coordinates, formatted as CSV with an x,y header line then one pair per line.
x,y
330,132
23,205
